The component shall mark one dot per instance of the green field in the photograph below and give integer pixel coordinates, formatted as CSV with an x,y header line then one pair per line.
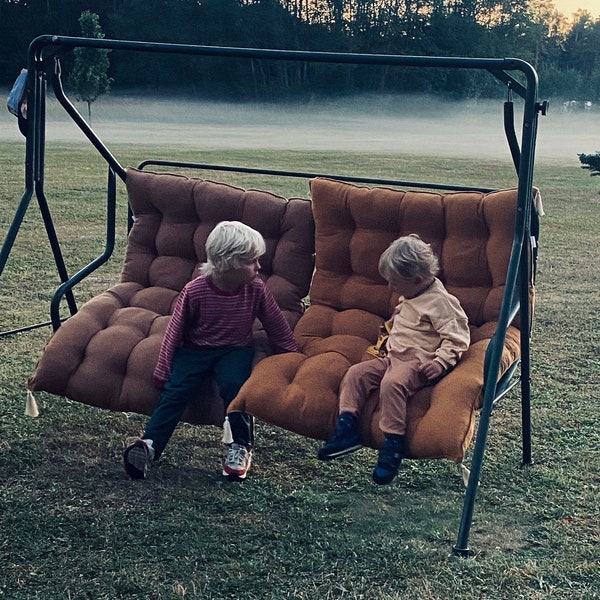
x,y
73,526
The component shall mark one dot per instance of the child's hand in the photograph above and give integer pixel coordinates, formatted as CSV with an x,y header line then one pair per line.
x,y
432,369
159,383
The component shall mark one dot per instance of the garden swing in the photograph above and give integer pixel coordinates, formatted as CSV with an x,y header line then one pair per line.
x,y
325,248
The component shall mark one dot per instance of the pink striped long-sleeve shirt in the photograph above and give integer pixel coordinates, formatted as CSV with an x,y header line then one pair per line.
x,y
207,317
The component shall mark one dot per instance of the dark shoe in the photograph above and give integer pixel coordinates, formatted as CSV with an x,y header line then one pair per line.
x,y
390,459
345,438
138,458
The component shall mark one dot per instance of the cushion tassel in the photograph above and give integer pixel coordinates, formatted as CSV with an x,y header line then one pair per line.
x,y
31,408
227,435
466,474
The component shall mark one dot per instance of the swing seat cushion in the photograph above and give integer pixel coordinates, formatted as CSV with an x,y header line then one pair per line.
x,y
105,354
471,233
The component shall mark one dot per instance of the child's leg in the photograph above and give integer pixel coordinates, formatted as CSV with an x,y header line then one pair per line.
x,y
359,381
190,366
401,380
399,383
231,372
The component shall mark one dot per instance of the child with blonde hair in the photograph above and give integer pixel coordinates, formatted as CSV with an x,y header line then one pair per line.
x,y
428,332
210,333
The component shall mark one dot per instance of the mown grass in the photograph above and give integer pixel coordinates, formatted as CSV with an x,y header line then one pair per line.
x,y
74,526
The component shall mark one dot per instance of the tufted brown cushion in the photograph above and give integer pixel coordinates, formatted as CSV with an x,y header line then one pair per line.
x,y
472,235
105,354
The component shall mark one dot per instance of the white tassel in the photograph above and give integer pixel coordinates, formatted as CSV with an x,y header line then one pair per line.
x,y
465,474
537,201
227,435
31,408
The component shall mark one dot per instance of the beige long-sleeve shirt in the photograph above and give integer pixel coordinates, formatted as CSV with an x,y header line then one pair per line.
x,y
430,326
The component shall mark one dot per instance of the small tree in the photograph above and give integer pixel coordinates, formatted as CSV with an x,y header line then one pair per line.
x,y
591,162
89,75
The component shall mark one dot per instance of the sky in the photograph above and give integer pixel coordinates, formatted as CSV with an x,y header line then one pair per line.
x,y
568,7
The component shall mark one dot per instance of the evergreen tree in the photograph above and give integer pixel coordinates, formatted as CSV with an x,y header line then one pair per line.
x,y
566,55
591,162
89,76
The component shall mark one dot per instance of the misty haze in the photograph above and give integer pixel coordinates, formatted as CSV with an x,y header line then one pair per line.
x,y
396,124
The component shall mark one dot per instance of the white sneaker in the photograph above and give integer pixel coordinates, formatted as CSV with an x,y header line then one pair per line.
x,y
138,457
238,461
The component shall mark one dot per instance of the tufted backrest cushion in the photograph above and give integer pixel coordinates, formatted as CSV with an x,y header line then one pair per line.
x,y
106,353
470,232
174,215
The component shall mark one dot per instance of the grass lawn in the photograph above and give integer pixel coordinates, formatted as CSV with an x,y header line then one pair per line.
x,y
73,526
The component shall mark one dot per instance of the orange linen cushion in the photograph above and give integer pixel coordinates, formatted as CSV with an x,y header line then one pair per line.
x,y
471,232
105,354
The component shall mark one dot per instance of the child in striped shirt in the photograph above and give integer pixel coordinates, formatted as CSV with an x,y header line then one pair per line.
x,y
210,332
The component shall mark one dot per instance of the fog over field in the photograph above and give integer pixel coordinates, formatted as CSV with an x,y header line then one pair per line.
x,y
397,124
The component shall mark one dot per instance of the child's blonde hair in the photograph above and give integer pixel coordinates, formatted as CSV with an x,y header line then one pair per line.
x,y
229,243
408,257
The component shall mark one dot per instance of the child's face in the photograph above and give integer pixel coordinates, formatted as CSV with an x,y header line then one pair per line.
x,y
245,272
409,287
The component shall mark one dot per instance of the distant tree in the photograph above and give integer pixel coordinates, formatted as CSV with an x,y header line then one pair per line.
x,y
591,162
566,54
89,76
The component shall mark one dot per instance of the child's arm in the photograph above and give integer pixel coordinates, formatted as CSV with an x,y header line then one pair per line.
x,y
455,338
276,327
172,340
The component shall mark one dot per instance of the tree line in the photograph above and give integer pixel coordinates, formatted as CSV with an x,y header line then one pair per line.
x,y
565,54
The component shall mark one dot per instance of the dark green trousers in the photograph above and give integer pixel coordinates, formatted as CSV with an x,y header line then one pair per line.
x,y
230,366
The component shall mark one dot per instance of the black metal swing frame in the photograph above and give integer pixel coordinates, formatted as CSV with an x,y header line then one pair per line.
x,y
43,64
